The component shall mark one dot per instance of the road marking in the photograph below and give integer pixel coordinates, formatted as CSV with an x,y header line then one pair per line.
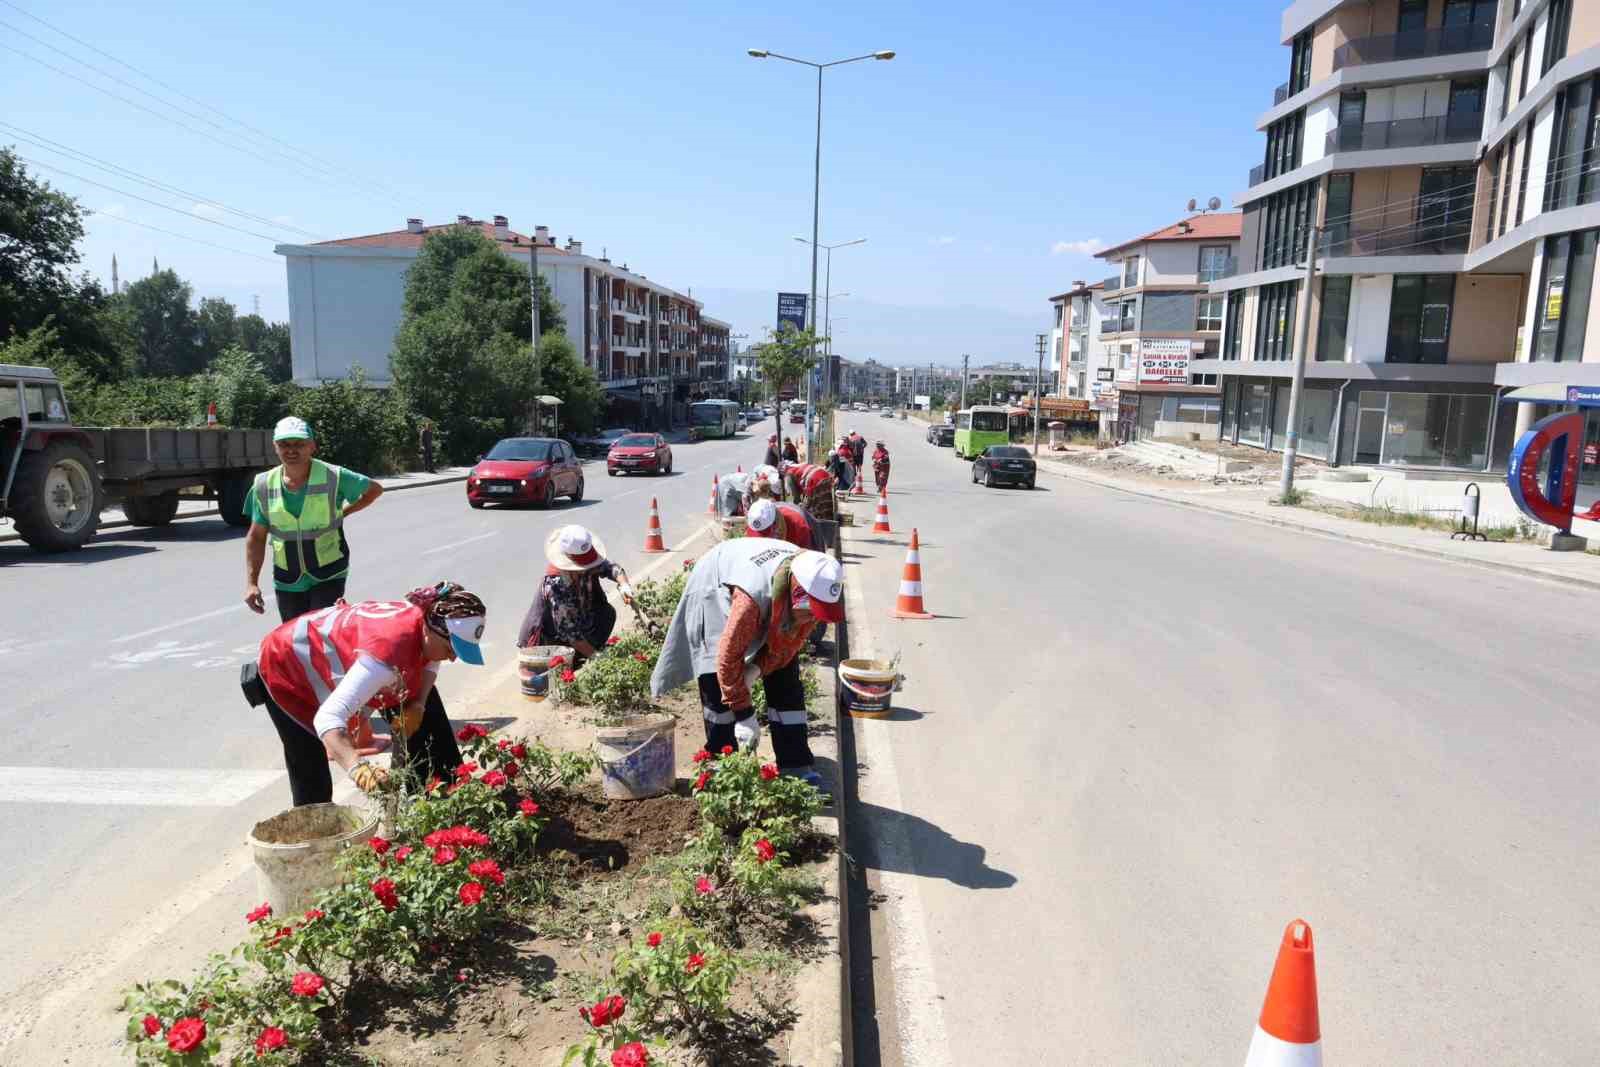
x,y
161,650
917,1007
156,787
458,544
181,622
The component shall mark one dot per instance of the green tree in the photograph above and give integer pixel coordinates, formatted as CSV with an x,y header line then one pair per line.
x,y
460,260
164,326
245,398
784,361
216,328
356,426
268,342
564,375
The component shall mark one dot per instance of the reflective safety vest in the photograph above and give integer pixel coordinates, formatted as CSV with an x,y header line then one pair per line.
x,y
303,661
314,543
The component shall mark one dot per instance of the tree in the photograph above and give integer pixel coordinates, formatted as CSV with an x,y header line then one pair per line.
x,y
784,361
164,325
356,425
461,259
245,398
564,375
268,342
216,328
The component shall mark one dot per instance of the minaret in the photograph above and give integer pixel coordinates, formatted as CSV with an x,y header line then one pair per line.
x,y
116,286
155,265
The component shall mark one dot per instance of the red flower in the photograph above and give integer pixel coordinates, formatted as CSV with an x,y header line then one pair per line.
x,y
558,661
443,854
467,837
702,756
383,889
152,1026
471,732
470,893
611,641
306,984
379,845
654,940
694,962
283,932
401,853
434,782
703,886
256,915
185,1035
568,676
528,808
519,750
700,782
488,870
605,1011
313,914
466,770
503,744
769,771
641,657
494,779
461,976
271,1038
630,1055
512,769
764,851
727,750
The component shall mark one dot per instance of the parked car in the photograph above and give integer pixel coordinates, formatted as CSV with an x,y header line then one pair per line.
x,y
798,418
943,436
1004,465
886,414
600,443
639,453
526,470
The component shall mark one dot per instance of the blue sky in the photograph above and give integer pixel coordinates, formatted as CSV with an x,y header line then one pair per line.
x,y
977,163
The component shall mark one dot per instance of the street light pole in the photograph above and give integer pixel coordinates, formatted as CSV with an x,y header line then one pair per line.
x,y
1038,378
1291,440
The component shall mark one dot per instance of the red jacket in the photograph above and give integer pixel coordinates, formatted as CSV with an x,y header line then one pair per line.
x,y
303,660
792,525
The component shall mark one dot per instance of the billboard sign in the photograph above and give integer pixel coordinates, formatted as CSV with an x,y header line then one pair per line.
x,y
791,311
1105,374
1164,361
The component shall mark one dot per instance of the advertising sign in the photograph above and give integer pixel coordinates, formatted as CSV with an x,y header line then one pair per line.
x,y
791,311
1104,374
1164,361
1585,396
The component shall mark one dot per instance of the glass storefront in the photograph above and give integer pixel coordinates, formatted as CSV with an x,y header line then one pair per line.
x,y
1253,414
1423,430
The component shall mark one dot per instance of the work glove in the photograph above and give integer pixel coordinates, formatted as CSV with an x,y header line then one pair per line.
x,y
747,733
367,777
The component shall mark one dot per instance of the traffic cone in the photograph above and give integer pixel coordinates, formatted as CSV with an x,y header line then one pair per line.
x,y
909,603
211,413
739,469
652,535
1288,1033
711,505
880,524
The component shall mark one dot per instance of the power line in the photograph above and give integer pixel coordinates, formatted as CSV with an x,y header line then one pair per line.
x,y
181,236
147,200
39,141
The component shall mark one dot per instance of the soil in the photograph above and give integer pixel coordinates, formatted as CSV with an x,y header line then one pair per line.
x,y
310,823
603,836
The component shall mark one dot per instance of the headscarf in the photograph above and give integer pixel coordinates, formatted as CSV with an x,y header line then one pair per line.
x,y
443,602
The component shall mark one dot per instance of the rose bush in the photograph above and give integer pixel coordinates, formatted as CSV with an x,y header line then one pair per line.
x,y
616,681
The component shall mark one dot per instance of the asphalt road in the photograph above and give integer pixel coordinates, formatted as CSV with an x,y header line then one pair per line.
x,y
133,769
1140,739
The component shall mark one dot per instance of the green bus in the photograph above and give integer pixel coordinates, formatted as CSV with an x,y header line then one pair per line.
x,y
978,427
714,418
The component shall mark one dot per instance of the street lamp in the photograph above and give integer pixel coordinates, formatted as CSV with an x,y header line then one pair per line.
x,y
827,284
816,179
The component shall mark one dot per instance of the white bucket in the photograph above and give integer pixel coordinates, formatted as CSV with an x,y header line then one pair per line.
x,y
869,686
295,852
533,668
639,759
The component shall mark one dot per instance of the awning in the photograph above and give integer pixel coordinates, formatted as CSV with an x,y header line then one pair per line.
x,y
1584,396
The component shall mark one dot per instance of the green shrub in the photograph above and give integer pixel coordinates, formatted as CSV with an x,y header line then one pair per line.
x,y
616,682
357,426
656,600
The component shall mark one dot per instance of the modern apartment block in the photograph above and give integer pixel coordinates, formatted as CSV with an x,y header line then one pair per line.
x,y
1160,317
1445,148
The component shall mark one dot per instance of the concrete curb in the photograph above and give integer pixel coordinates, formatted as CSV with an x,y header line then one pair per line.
x,y
1334,535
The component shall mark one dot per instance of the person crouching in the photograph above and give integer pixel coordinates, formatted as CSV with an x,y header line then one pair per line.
x,y
569,605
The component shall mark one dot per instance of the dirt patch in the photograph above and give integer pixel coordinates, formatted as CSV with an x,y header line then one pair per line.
x,y
312,822
600,836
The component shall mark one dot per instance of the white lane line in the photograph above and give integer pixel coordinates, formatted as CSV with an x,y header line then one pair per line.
x,y
458,544
141,787
918,1010
181,622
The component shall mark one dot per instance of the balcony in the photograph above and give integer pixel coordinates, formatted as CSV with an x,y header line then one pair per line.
x,y
1280,94
1258,174
1405,133
1113,283
1431,237
1414,44
1110,326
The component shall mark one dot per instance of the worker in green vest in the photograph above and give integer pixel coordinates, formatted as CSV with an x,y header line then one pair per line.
x,y
299,508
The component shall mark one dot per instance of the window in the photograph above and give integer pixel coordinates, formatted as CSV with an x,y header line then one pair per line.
x,y
1444,210
1492,192
1557,25
1336,214
1505,184
1208,312
1233,338
1275,321
1285,225
1125,357
1285,139
1130,272
1527,155
1213,262
1129,314
1562,315
1335,317
1058,316
1300,62
1419,318
1527,61
1573,173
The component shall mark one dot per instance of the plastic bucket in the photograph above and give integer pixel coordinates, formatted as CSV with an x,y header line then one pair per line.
x,y
868,687
533,668
638,759
295,852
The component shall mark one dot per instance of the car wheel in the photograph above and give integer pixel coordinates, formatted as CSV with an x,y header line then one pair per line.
x,y
974,474
1028,484
610,473
475,503
549,499
577,494
669,466
986,479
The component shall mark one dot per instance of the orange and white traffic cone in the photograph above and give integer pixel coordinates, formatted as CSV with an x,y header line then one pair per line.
x,y
652,535
1288,1033
211,413
711,505
880,524
908,605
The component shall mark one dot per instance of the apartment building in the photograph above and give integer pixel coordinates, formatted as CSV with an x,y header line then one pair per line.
x,y
713,369
1085,370
1160,317
1425,138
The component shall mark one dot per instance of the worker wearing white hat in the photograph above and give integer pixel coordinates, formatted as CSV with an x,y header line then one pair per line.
x,y
569,605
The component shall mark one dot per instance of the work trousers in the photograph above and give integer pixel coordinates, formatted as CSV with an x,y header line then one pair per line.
x,y
322,595
786,716
430,751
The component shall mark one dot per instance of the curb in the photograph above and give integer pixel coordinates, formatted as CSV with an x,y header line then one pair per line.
x,y
1335,535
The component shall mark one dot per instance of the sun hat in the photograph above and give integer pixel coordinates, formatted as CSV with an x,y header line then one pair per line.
x,y
821,578
574,548
293,428
762,519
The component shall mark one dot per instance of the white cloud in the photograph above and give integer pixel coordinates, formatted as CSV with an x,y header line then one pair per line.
x,y
941,240
204,210
1087,247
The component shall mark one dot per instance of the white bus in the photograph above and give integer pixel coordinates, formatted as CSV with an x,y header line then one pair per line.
x,y
714,418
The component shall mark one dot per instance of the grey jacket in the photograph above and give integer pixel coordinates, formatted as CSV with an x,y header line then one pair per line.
x,y
690,648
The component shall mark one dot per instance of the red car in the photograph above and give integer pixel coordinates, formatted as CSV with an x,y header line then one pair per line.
x,y
639,452
525,470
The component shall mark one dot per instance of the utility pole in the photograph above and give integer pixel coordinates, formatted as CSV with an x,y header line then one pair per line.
x,y
1302,340
1038,378
964,358
533,326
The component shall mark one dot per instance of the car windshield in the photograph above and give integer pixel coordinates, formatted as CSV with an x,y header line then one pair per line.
x,y
521,450
612,435
635,440
1009,453
988,420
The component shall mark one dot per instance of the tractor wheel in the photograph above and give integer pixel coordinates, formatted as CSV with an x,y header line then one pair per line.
x,y
56,498
156,510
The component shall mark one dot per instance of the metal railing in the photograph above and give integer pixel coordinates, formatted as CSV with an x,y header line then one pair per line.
x,y
1430,237
1258,174
1110,325
1280,94
1415,44
1405,133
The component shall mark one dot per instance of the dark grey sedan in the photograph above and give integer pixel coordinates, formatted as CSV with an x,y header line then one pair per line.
x,y
1004,465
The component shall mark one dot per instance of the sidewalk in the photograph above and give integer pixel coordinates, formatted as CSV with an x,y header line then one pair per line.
x,y
199,508
1526,558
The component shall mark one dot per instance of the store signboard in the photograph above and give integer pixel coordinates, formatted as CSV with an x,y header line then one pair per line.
x,y
1105,374
1164,361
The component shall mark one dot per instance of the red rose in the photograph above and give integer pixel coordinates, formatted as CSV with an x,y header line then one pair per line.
x,y
443,854
702,756
434,782
271,1038
654,940
379,845
467,837
494,779
694,963
769,771
383,889
461,976
185,1035
256,915
520,751
503,744
471,732
605,1011
703,886
470,893
630,1055
700,782
512,769
401,853
313,914
466,770
727,750
528,807
306,984
283,932
611,641
558,661
641,657
568,676
765,851
152,1026
488,870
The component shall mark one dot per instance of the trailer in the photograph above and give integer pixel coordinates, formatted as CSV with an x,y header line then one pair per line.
x,y
56,478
